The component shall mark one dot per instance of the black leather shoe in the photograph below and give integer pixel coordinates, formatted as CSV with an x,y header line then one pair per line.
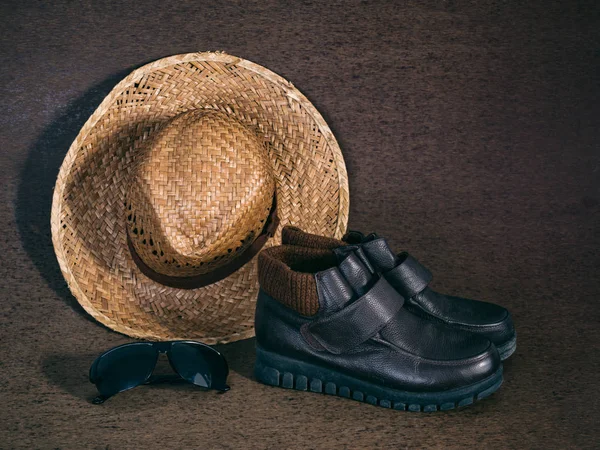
x,y
411,280
337,329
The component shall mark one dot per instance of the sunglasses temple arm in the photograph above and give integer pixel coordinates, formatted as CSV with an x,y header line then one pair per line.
x,y
157,379
99,399
222,387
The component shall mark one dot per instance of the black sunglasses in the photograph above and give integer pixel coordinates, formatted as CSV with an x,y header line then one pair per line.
x,y
130,365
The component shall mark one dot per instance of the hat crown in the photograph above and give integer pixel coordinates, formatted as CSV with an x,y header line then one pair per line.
x,y
200,194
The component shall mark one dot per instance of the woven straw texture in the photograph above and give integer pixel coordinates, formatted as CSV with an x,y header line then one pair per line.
x,y
199,195
119,161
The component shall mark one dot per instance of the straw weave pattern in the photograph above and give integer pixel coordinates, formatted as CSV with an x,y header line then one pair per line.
x,y
200,194
90,205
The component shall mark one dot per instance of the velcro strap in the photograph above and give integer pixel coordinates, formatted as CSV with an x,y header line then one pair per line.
x,y
359,321
409,277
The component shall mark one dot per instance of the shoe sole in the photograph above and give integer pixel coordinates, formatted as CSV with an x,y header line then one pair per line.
x,y
285,372
507,349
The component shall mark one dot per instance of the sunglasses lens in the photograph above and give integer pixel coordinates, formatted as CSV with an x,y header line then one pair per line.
x,y
124,368
199,364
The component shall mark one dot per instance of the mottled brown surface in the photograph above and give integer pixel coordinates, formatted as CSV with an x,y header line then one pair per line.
x,y
470,131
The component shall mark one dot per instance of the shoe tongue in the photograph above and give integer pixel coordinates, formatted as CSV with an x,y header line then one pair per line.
x,y
380,254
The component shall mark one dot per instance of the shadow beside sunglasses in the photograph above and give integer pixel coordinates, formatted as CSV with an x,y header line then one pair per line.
x,y
240,356
69,372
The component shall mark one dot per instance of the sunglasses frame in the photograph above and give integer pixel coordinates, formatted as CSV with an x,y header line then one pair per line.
x,y
159,347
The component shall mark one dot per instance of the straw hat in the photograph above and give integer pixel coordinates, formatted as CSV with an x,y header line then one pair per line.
x,y
177,180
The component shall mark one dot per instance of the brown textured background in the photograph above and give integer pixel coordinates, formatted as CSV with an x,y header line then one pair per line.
x,y
471,135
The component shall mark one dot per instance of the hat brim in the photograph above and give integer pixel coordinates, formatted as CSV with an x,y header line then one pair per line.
x,y
88,210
